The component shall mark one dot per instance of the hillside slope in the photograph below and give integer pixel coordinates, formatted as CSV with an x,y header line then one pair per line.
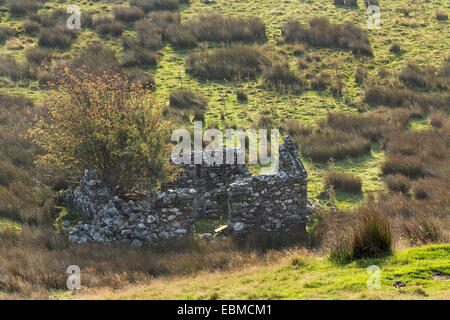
x,y
418,273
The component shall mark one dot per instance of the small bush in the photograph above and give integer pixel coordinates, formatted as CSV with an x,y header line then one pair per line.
x,y
241,95
126,141
441,15
361,75
238,62
38,56
139,56
280,77
55,37
31,27
397,183
6,33
127,14
410,166
22,7
345,182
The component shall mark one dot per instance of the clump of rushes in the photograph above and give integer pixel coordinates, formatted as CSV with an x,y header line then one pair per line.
x,y
370,236
280,77
322,33
235,63
241,95
342,181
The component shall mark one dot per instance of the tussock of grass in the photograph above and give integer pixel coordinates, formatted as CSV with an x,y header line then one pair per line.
x,y
22,7
56,37
370,236
6,33
214,27
106,25
398,183
280,77
127,14
345,182
96,59
323,145
186,99
322,33
151,5
237,62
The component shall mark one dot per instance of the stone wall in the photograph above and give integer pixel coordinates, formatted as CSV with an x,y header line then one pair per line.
x,y
112,220
211,181
268,202
271,202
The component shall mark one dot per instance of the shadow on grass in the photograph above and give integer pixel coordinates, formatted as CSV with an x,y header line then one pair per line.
x,y
364,263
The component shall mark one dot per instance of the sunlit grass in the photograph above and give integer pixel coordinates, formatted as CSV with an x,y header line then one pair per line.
x,y
419,34
307,277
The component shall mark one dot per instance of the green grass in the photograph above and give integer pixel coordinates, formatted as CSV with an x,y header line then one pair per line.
x,y
208,226
69,214
421,36
303,277
6,223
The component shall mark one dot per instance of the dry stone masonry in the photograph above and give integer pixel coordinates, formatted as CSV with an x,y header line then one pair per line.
x,y
267,202
271,202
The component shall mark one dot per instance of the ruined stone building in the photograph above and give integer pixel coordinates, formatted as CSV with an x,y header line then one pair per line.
x,y
267,202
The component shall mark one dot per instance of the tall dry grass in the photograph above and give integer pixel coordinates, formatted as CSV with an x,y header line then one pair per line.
x,y
322,33
236,62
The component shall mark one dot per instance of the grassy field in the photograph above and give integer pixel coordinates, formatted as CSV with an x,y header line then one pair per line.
x,y
404,161
420,35
409,274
